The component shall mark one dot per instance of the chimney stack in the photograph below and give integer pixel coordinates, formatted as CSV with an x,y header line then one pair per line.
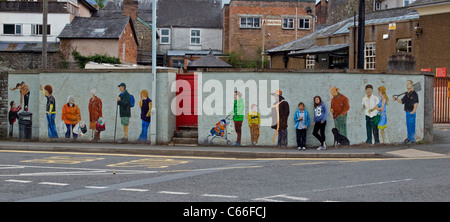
x,y
130,8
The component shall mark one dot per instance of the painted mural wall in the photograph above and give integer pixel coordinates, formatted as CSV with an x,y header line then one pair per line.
x,y
262,106
350,107
70,88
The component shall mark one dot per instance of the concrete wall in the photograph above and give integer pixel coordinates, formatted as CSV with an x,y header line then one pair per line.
x,y
215,96
79,84
303,87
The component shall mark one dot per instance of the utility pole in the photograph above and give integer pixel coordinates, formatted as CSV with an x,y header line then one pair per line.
x,y
361,30
154,120
44,34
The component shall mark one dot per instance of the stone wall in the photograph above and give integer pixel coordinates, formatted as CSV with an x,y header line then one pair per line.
x,y
4,106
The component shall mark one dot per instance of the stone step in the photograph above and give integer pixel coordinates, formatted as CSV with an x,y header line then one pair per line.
x,y
181,140
186,134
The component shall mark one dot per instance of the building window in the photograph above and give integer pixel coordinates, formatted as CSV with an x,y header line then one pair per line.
x,y
369,56
37,29
310,61
288,23
12,29
408,44
304,23
165,36
195,37
250,22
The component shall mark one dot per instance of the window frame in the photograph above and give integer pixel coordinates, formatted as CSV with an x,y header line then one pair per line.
x,y
408,43
253,23
310,62
370,55
36,29
287,22
304,23
199,37
162,36
15,29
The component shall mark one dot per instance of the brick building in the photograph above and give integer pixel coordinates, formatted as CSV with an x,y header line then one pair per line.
x,y
251,27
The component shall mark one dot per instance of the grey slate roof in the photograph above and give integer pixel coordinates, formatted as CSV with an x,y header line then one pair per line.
x,y
27,47
320,49
395,14
190,13
95,28
209,61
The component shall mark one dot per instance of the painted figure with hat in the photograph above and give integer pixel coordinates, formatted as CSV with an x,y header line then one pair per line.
x,y
123,101
280,114
95,113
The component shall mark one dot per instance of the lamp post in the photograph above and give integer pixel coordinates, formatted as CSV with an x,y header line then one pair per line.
x,y
153,112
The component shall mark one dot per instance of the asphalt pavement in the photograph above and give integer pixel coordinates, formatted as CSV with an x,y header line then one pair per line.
x,y
438,148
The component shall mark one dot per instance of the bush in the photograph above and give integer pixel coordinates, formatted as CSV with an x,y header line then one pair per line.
x,y
83,60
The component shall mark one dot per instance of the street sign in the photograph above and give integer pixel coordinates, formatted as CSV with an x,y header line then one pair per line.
x,y
272,22
441,72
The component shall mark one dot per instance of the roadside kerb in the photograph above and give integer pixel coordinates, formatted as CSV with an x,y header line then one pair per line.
x,y
186,151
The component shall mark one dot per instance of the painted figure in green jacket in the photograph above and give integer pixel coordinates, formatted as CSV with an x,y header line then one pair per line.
x,y
238,115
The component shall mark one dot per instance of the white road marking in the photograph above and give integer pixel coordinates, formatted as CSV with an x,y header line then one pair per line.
x,y
362,185
135,190
18,181
270,198
175,193
95,187
219,195
73,171
54,184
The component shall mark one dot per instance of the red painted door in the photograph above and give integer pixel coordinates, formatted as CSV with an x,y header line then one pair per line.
x,y
187,100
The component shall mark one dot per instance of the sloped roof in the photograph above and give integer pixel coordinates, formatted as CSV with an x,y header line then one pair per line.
x,y
27,47
395,14
321,49
190,13
209,61
95,28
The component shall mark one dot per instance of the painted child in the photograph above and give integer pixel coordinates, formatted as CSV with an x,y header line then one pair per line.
x,y
12,115
50,111
24,92
254,121
301,119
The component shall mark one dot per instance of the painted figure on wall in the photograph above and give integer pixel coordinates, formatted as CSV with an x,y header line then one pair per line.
x,y
95,113
146,108
238,115
301,119
13,114
339,109
24,92
123,101
71,116
382,105
280,114
50,110
370,104
411,102
320,121
254,121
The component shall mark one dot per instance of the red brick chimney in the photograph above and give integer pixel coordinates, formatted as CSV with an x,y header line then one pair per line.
x,y
130,8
